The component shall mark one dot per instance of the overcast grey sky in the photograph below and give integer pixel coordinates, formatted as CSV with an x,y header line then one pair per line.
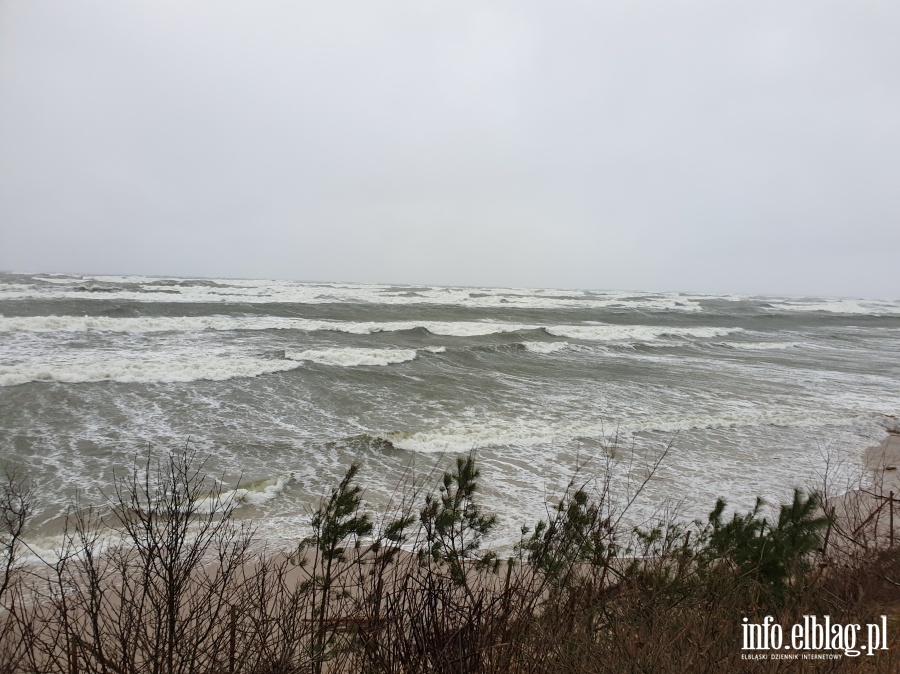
x,y
712,146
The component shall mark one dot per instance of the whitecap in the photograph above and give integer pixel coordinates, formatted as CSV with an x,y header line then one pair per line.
x,y
254,493
352,357
837,306
224,322
763,346
589,332
633,333
545,347
476,434
137,371
144,289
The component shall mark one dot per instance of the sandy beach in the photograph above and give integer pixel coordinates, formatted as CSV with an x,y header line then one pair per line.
x,y
883,462
862,516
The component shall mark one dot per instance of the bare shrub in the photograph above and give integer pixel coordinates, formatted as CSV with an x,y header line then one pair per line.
x,y
15,510
166,582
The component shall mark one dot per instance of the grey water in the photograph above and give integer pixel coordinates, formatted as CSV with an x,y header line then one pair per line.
x,y
282,385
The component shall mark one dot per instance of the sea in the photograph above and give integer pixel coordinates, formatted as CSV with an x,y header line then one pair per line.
x,y
279,386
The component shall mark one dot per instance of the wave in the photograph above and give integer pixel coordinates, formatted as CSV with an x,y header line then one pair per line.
x,y
253,494
545,347
763,346
837,306
466,436
107,324
223,322
216,291
48,547
148,372
633,333
592,332
259,492
353,357
144,289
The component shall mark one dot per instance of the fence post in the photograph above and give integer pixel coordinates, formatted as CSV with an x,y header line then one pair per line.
x,y
73,657
232,639
891,497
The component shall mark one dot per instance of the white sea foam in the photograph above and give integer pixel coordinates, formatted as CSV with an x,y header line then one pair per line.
x,y
463,328
741,415
545,347
465,436
593,332
763,346
143,289
132,325
223,322
462,437
837,306
143,371
254,493
352,357
633,333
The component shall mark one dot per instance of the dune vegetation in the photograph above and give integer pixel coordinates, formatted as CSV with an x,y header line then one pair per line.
x,y
168,580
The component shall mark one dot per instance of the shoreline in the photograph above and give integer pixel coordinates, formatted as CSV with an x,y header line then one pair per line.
x,y
876,473
883,461
864,516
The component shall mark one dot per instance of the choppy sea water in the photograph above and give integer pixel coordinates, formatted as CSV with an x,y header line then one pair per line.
x,y
282,385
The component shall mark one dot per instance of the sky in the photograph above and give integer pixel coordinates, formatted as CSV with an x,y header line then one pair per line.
x,y
698,146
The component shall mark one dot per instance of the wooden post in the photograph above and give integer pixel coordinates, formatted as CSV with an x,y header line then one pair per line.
x,y
891,497
828,530
73,657
232,639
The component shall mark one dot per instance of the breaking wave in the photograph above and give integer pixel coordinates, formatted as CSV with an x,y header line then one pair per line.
x,y
632,333
352,357
545,347
762,346
466,436
256,493
136,371
223,322
218,291
838,306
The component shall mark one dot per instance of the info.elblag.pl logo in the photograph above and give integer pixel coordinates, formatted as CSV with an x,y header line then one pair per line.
x,y
813,638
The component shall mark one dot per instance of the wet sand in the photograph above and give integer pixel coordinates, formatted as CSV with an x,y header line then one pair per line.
x,y
862,516
883,463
